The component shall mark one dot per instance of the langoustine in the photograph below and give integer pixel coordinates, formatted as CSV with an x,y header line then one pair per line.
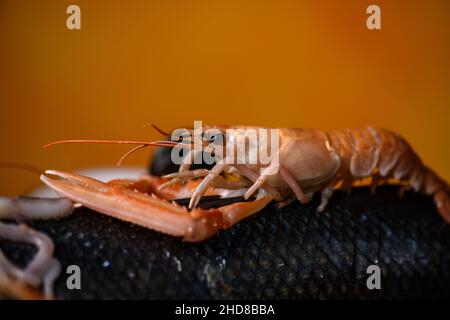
x,y
310,161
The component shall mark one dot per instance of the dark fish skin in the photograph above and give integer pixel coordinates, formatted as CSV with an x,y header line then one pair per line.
x,y
293,253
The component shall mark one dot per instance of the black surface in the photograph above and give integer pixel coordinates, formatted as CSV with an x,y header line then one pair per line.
x,y
278,254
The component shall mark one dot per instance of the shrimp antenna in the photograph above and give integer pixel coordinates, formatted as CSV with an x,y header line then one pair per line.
x,y
168,144
140,145
129,152
164,133
133,150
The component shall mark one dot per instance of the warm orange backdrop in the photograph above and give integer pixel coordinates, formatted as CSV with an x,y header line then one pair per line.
x,y
273,63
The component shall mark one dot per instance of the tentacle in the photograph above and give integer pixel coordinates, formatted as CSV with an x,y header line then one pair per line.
x,y
49,277
21,233
23,208
10,270
27,208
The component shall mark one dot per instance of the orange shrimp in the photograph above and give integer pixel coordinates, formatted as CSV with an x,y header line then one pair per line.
x,y
310,161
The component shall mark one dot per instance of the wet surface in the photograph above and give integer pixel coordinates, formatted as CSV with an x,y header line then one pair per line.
x,y
278,254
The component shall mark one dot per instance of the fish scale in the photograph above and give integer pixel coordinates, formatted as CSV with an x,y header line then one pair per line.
x,y
294,252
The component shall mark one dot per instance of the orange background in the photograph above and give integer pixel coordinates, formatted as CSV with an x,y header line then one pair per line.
x,y
272,63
